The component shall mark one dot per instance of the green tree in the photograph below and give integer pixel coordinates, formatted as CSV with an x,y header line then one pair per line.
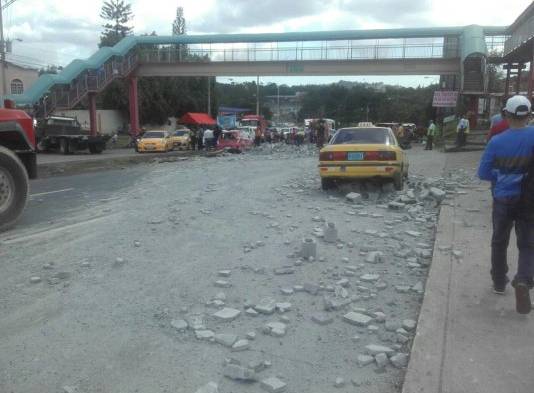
x,y
118,14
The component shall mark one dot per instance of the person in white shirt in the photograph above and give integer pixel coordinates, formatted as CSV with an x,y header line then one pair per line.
x,y
461,131
208,139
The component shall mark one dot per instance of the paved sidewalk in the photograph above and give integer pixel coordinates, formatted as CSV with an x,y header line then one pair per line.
x,y
469,340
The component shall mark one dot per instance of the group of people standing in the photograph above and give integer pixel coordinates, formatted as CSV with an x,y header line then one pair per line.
x,y
203,137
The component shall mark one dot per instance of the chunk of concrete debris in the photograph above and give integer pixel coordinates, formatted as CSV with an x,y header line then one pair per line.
x,y
414,233
287,291
355,318
399,360
69,389
322,318
35,280
226,339
222,284
204,334
179,324
308,248
251,335
457,254
283,307
396,205
227,314
311,288
354,197
276,329
251,312
339,383
273,385
330,233
241,345
343,283
374,349
374,257
224,273
364,360
402,288
409,324
266,306
284,270
392,325
381,360
418,287
370,277
211,387
237,372
437,193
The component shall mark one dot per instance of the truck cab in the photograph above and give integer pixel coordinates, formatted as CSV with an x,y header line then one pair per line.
x,y
18,163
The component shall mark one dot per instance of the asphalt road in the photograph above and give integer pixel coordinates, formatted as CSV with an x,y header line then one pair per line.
x,y
122,253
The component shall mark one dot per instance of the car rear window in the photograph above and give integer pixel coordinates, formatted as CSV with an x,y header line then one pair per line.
x,y
362,136
180,133
154,134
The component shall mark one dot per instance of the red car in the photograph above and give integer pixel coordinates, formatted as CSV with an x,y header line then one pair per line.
x,y
238,140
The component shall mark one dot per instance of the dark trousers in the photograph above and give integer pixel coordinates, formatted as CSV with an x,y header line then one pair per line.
x,y
193,143
461,138
505,215
429,142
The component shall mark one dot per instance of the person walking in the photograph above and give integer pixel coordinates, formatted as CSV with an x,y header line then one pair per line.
x,y
200,138
498,125
257,137
505,163
208,139
193,138
462,129
321,130
430,134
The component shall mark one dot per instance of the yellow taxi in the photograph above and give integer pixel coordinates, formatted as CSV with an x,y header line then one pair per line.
x,y
181,138
363,153
155,141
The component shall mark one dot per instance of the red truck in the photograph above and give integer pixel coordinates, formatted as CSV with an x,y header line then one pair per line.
x,y
18,163
256,122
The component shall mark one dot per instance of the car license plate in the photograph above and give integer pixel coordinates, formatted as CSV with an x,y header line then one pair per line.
x,y
355,156
150,147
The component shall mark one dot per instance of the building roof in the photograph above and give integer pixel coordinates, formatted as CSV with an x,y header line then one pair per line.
x,y
197,119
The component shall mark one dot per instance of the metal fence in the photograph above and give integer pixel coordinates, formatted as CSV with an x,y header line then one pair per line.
x,y
299,52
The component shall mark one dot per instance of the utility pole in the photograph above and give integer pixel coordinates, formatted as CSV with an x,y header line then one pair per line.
x,y
278,98
209,94
258,96
2,54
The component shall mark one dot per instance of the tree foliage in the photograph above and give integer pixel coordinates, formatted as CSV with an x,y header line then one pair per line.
x,y
118,14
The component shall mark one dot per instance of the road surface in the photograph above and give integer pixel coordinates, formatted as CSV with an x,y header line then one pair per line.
x,y
117,256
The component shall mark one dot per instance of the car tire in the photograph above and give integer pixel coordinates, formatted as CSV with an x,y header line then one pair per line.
x,y
327,184
398,181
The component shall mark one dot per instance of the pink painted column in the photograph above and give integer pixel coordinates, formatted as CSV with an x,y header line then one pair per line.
x,y
134,106
92,113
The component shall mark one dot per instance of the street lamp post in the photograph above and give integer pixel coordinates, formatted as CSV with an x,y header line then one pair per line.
x,y
278,99
258,96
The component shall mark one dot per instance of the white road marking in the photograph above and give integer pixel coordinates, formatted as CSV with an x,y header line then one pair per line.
x,y
50,192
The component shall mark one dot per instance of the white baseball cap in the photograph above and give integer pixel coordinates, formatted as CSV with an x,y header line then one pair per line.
x,y
518,106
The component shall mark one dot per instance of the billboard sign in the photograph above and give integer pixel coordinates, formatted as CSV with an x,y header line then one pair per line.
x,y
445,99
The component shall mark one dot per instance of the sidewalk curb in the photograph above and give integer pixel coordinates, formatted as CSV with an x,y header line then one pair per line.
x,y
424,374
67,168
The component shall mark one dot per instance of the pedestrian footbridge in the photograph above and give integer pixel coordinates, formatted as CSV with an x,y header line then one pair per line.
x,y
460,52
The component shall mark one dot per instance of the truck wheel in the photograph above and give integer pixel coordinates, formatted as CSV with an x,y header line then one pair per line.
x,y
64,146
73,145
14,187
95,148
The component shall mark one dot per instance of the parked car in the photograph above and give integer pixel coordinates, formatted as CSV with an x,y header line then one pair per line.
x,y
181,139
236,140
155,141
362,153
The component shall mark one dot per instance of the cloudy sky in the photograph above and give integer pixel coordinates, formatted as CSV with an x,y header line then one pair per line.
x,y
58,31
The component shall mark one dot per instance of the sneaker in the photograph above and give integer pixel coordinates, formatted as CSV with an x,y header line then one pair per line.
x,y
522,298
499,289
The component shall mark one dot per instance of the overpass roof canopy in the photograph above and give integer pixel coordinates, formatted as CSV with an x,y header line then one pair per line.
x,y
78,67
518,47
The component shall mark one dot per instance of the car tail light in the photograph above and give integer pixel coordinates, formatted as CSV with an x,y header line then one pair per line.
x,y
380,156
333,156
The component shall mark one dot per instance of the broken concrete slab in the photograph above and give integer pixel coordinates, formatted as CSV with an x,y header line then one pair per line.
x,y
374,349
354,197
227,314
311,288
370,277
409,324
275,329
179,324
222,284
364,360
204,334
283,307
224,273
226,339
241,345
237,372
400,360
381,360
374,257
357,319
273,385
266,306
322,318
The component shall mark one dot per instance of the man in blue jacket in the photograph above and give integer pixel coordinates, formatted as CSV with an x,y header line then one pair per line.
x,y
505,163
